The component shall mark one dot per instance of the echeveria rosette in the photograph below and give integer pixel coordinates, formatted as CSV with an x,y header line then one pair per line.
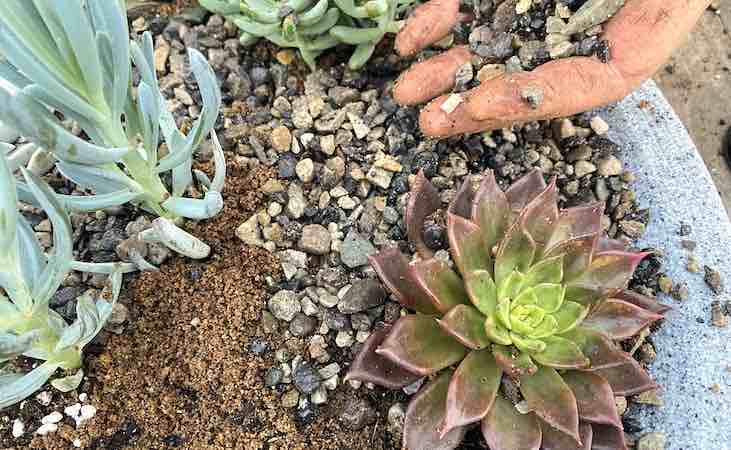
x,y
538,296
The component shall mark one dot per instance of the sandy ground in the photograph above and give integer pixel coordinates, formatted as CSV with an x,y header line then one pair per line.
x,y
697,82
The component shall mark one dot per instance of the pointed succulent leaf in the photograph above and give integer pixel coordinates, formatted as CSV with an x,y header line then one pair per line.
x,y
490,210
465,241
547,327
514,363
69,383
527,345
628,378
600,350
392,268
609,271
175,238
569,316
193,208
552,400
556,440
526,318
419,345
515,252
472,390
561,353
467,325
523,191
441,284
15,387
526,298
643,301
577,254
540,216
619,320
503,313
425,415
604,244
423,202
574,224
549,270
370,367
512,286
550,296
482,291
505,428
606,437
497,332
594,398
461,206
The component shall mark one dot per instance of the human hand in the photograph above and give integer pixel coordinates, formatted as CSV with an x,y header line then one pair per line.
x,y
642,35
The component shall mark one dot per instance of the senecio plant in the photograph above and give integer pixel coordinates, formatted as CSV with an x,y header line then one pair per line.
x,y
522,340
314,26
74,58
29,278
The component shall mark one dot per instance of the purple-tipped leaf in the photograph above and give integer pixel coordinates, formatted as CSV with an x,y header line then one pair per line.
x,y
575,224
523,191
472,390
556,440
425,415
619,320
465,241
423,202
482,292
594,398
609,271
540,216
576,254
514,363
444,288
607,437
419,345
467,326
371,367
490,210
505,428
552,400
515,252
462,203
561,353
628,378
392,268
643,301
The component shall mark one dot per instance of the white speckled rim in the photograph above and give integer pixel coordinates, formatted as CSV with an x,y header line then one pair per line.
x,y
692,355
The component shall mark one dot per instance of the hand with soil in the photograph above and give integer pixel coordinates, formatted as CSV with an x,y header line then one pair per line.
x,y
642,35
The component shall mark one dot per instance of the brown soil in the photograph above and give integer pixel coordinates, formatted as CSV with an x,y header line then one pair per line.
x,y
167,383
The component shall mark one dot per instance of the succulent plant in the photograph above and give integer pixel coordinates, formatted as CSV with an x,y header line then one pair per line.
x,y
29,278
314,26
74,58
521,336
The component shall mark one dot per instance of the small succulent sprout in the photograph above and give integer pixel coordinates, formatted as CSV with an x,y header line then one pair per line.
x,y
314,26
74,58
537,299
29,278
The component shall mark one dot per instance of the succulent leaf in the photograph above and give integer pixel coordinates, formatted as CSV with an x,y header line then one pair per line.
x,y
515,252
561,353
472,390
606,437
576,223
461,205
552,400
371,367
466,325
425,415
497,332
490,210
423,202
514,363
569,316
594,398
609,271
505,428
482,292
418,344
643,301
523,191
465,241
392,268
619,320
556,440
540,216
441,284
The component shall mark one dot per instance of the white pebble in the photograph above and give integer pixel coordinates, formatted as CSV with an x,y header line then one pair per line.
x,y
87,412
47,428
83,397
18,428
54,417
73,410
451,103
77,443
599,126
44,398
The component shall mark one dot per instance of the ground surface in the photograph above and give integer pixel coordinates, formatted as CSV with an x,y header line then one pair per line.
x,y
697,82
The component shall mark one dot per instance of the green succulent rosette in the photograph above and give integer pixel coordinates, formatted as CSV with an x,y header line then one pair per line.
x,y
314,26
537,302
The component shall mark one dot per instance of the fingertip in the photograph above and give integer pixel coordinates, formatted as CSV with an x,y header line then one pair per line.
x,y
428,24
435,122
430,78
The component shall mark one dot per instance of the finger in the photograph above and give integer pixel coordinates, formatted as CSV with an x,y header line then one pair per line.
x,y
642,36
429,23
434,122
427,79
